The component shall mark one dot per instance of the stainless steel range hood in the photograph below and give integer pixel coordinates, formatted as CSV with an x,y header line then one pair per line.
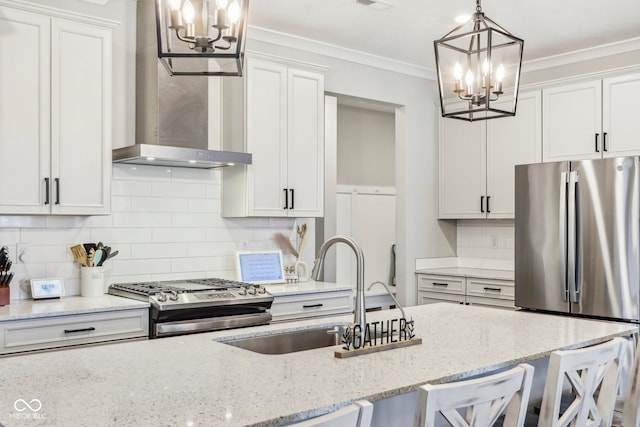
x,y
172,127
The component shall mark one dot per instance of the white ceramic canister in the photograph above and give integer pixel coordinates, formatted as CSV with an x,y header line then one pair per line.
x,y
91,281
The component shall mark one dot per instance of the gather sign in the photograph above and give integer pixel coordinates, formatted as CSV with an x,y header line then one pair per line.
x,y
377,336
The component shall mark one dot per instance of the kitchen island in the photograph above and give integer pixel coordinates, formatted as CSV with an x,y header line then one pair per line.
x,y
193,380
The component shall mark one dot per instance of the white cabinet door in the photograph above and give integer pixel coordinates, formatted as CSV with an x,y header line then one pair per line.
x,y
462,166
572,122
55,115
80,118
305,143
621,127
24,112
512,141
284,119
267,189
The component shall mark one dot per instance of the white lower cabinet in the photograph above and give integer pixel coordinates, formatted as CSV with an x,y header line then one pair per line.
x,y
434,288
45,333
313,304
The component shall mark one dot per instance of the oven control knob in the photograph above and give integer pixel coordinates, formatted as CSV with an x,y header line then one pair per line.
x,y
173,296
251,290
162,297
262,290
242,290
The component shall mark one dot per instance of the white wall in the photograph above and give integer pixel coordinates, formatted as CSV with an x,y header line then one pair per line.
x,y
486,243
366,147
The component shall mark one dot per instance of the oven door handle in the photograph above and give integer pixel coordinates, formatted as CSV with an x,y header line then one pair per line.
x,y
181,327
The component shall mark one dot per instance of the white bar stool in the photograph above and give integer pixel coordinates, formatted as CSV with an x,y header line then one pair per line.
x,y
484,400
358,414
593,375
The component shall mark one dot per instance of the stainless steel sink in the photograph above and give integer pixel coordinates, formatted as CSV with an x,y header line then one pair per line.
x,y
289,342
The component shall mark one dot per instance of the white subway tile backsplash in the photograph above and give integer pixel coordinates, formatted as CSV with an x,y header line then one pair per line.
x,y
486,242
165,224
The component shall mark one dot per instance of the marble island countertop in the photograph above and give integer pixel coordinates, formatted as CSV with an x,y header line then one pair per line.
x,y
30,309
194,380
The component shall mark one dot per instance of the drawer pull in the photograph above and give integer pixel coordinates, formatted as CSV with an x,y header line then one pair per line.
x,y
439,284
493,289
73,331
312,306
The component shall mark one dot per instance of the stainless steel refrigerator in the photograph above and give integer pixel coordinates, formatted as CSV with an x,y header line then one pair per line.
x,y
577,236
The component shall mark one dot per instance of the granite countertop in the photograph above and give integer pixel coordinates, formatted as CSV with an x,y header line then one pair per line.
x,y
310,286
193,380
30,309
480,273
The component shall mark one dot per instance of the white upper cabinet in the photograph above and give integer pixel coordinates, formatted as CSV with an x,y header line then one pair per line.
x,y
477,161
284,122
572,121
512,141
591,120
55,115
620,124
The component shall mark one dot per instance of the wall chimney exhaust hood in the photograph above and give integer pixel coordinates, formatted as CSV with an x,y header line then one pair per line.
x,y
172,127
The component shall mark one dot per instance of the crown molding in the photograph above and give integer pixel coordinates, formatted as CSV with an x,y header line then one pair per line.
x,y
582,55
334,51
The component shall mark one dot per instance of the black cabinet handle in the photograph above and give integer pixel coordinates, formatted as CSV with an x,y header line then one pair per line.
x,y
312,306
292,198
597,135
493,289
488,210
57,191
604,141
286,199
73,331
46,191
482,204
439,284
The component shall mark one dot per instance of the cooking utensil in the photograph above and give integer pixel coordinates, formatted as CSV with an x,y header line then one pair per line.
x,y
111,255
90,257
98,257
106,251
79,254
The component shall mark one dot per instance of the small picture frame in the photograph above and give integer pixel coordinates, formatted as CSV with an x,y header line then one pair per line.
x,y
47,288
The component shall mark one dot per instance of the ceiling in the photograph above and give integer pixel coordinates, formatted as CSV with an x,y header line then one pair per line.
x,y
405,32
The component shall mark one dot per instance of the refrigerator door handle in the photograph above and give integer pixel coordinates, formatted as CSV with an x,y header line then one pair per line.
x,y
562,221
573,267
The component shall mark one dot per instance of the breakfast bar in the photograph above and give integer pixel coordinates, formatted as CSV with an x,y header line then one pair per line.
x,y
194,380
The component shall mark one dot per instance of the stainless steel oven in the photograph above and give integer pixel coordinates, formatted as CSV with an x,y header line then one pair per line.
x,y
189,306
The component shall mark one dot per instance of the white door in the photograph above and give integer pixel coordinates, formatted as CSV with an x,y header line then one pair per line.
x,y
620,115
462,166
572,122
512,141
80,118
305,143
266,138
24,112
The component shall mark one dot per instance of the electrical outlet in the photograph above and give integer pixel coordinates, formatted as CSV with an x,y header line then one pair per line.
x,y
22,253
494,242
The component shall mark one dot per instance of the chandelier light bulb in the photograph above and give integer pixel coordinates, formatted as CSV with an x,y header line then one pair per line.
x,y
485,67
457,72
188,12
221,4
469,81
234,12
174,5
500,73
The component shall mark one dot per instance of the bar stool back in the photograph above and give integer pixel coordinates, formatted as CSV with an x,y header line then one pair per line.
x,y
483,400
358,414
593,375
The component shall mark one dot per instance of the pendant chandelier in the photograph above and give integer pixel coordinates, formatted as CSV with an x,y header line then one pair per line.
x,y
478,66
202,37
